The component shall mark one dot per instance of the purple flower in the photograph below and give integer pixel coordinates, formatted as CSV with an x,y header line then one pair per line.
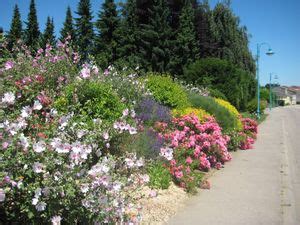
x,y
149,111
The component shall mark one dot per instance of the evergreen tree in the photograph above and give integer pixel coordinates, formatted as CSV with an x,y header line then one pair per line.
x,y
232,40
32,32
84,28
128,47
206,30
108,26
186,48
48,36
68,28
156,38
15,32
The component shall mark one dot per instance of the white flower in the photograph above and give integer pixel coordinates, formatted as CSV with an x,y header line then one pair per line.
x,y
132,130
19,184
125,112
24,141
38,167
85,72
84,188
105,136
140,162
46,191
95,69
129,162
37,105
59,147
9,98
2,195
56,220
39,146
41,206
26,111
37,192
133,114
81,133
167,153
145,178
35,201
117,187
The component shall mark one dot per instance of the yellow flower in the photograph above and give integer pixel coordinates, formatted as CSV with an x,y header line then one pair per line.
x,y
200,113
231,109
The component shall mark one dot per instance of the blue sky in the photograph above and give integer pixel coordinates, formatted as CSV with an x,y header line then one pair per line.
x,y
272,21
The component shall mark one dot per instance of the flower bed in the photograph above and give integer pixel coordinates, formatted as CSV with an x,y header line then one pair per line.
x,y
193,145
78,144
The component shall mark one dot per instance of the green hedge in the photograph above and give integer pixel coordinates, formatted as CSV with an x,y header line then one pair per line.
x,y
92,99
166,91
226,120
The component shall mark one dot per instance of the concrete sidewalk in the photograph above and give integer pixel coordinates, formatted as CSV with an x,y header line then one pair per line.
x,y
255,188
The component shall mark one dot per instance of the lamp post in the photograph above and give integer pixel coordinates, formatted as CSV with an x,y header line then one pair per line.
x,y
269,53
271,94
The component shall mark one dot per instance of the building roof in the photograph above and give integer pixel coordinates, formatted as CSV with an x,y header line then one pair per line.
x,y
283,91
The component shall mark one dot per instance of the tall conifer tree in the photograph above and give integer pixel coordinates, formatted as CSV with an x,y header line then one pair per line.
x,y
15,32
32,32
48,36
108,26
155,42
129,38
68,27
84,28
186,49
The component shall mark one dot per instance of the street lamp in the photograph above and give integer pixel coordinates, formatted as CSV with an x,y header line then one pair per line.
x,y
270,87
269,53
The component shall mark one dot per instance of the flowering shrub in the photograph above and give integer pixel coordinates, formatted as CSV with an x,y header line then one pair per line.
x,y
55,158
92,99
146,143
248,134
126,84
200,113
225,119
149,111
232,110
166,91
193,145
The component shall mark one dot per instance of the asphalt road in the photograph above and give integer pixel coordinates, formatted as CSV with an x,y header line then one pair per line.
x,y
260,186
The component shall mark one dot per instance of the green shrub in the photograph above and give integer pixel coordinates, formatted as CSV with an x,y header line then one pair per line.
x,y
166,91
236,84
252,106
226,119
217,94
235,140
160,176
92,99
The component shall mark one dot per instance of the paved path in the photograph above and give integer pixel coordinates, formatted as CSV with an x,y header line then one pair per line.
x,y
260,186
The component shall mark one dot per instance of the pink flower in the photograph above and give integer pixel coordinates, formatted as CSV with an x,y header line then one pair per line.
x,y
9,65
85,72
178,174
153,194
189,160
105,136
5,145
